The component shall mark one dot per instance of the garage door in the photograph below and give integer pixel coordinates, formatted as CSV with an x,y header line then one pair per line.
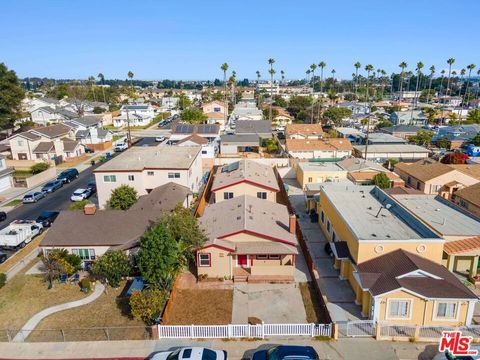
x,y
5,183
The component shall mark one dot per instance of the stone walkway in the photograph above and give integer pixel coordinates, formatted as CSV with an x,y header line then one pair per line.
x,y
35,319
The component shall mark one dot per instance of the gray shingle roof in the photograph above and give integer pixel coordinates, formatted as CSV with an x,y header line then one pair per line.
x,y
253,127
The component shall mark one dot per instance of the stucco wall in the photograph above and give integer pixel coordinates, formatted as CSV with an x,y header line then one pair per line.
x,y
244,189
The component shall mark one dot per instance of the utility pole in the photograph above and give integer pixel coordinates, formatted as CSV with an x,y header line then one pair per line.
x,y
128,129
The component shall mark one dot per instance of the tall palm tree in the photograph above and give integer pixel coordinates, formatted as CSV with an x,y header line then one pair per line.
x,y
130,76
384,82
432,72
333,77
224,68
258,76
466,98
102,81
308,75
478,87
450,62
403,65
462,75
313,67
419,74
271,61
91,80
357,66
283,75
368,69
233,80
321,65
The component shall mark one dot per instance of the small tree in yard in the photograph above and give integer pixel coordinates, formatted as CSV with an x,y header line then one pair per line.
x,y
454,158
112,266
123,197
38,168
381,180
146,305
78,205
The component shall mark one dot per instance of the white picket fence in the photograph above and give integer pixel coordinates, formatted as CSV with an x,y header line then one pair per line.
x,y
242,331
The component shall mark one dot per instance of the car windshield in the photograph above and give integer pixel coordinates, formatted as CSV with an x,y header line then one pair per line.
x,y
79,192
173,355
28,196
49,184
208,354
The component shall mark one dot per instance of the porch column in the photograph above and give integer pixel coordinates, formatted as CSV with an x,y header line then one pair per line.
x,y
450,262
473,266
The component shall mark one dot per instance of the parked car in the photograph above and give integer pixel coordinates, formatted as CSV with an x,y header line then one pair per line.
x,y
283,352
33,197
160,138
89,150
46,218
92,185
51,186
120,147
19,233
68,175
191,353
3,257
3,216
81,194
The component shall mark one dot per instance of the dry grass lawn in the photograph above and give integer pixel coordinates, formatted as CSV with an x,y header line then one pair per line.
x,y
201,307
312,304
20,254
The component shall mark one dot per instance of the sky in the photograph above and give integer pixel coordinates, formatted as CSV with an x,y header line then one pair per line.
x,y
190,39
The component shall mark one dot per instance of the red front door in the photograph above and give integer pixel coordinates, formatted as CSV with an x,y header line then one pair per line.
x,y
242,260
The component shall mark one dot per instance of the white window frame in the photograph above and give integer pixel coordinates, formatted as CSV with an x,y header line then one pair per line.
x,y
226,195
436,317
174,175
410,308
263,195
209,258
261,257
111,178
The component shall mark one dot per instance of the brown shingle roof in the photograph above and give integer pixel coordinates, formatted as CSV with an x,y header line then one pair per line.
x,y
52,131
318,144
304,129
43,147
462,246
424,170
69,145
391,272
470,194
197,139
472,170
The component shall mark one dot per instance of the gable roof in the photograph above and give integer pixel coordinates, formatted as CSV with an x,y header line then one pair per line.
x,y
245,171
69,145
387,272
401,129
52,131
470,194
424,170
472,170
43,147
304,129
354,164
87,121
318,144
199,140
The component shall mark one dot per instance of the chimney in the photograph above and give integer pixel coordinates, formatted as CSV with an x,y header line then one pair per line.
x,y
292,223
89,209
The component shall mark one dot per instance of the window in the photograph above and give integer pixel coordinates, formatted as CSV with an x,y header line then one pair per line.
x,y
173,175
310,179
131,178
262,195
328,226
110,178
399,309
85,254
150,173
187,354
409,180
446,310
262,257
227,195
204,152
322,216
418,185
216,109
204,260
274,257
334,236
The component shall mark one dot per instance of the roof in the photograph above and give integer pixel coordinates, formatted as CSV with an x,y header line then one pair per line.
x,y
253,127
28,135
206,129
245,171
470,194
318,144
264,247
472,170
424,170
118,227
241,139
347,131
355,164
138,158
401,129
462,246
247,213
43,147
440,215
52,131
392,148
377,138
402,190
369,175
87,121
215,115
195,139
400,269
69,145
320,167
303,129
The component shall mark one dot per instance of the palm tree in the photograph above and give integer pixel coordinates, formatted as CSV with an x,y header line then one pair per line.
x,y
308,75
465,97
321,65
368,69
224,68
258,76
384,81
333,77
478,87
130,76
283,75
233,82
357,66
462,74
450,62
313,67
432,71
102,81
419,74
403,65
271,61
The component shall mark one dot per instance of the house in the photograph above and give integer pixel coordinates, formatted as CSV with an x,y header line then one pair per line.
x,y
468,198
239,144
120,230
377,138
417,118
215,118
249,239
145,168
214,107
89,132
269,88
133,120
181,131
402,131
209,149
432,177
144,110
362,172
310,172
262,128
246,110
347,133
46,143
6,181
169,103
384,152
458,135
47,115
245,177
282,119
318,148
304,131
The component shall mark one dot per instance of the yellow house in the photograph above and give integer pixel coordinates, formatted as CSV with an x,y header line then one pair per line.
x,y
250,239
245,177
311,172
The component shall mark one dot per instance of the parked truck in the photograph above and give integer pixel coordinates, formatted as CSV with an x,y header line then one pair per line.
x,y
19,233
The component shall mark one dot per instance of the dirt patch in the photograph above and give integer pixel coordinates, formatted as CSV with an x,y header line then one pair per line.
x,y
313,308
200,307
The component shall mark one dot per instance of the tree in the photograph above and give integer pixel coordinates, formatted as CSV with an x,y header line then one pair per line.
x,y
147,305
321,65
130,76
443,143
455,158
266,113
11,96
298,104
423,137
450,62
432,114
474,116
123,197
381,180
52,269
357,66
184,102
403,65
466,98
112,266
419,74
476,140
39,167
336,114
193,115
271,61
432,72
224,68
279,101
101,77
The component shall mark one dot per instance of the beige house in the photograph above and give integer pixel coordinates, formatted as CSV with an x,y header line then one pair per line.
x,y
249,240
432,177
318,148
310,173
214,107
145,168
362,172
468,198
304,131
245,177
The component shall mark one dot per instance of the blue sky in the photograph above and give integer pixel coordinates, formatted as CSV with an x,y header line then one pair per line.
x,y
191,39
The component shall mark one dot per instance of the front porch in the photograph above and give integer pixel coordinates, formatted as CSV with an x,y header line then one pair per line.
x,y
461,257
245,275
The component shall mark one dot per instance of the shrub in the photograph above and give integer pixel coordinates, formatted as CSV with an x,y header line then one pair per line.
x,y
3,280
122,198
85,285
75,261
78,205
112,266
381,180
38,168
147,305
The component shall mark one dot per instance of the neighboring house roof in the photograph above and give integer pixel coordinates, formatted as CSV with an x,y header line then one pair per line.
x,y
304,129
214,102
401,190
253,127
52,131
69,145
241,139
369,175
400,129
199,140
472,170
248,214
462,246
318,144
215,115
27,135
392,148
87,121
470,194
117,227
81,134
400,269
205,129
424,170
66,113
139,158
248,171
353,164
44,147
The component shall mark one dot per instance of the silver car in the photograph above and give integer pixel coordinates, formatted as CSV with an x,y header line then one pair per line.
x,y
33,197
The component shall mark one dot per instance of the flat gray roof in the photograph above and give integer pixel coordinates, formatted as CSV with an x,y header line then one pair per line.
x,y
324,166
444,218
398,148
152,157
240,139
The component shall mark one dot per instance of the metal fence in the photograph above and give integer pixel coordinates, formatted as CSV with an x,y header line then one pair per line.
x,y
361,328
242,331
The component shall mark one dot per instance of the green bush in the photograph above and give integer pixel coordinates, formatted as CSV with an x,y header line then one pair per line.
x,y
147,305
123,197
78,205
3,280
85,285
38,168
112,266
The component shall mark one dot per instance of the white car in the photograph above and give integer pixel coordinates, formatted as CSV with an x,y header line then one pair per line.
x,y
191,353
81,194
160,139
120,147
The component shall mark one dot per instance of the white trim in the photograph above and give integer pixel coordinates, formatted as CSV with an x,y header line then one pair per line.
x,y
457,311
431,240
420,272
421,296
410,309
471,308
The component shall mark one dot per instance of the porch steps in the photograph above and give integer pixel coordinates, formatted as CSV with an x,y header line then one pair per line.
x,y
240,278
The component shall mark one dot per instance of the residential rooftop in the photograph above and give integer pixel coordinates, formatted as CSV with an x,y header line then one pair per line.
x,y
392,148
317,144
323,166
424,170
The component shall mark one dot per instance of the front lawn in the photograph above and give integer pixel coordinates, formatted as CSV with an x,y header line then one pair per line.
x,y
200,307
14,202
